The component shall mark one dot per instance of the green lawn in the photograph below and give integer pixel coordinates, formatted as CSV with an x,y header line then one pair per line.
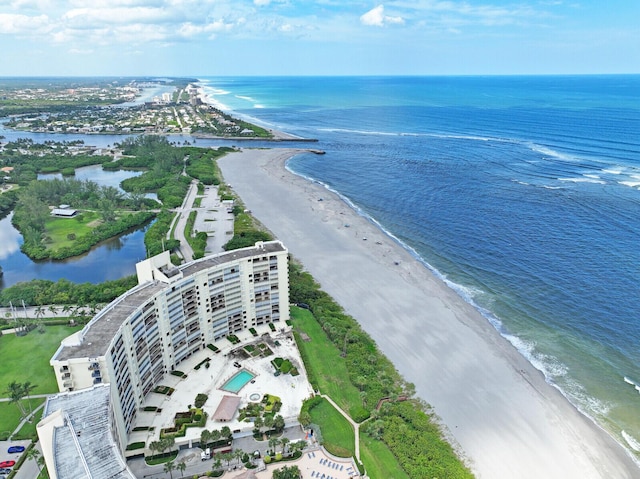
x,y
9,418
324,361
337,433
58,228
378,459
328,367
26,358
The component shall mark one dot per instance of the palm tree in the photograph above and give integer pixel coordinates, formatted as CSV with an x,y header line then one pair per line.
x,y
39,312
205,438
268,422
167,443
225,432
181,467
217,461
66,309
26,389
15,391
53,310
34,454
228,457
284,441
238,453
273,443
169,467
278,423
215,435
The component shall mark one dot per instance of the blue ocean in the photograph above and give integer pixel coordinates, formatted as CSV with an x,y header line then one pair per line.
x,y
522,193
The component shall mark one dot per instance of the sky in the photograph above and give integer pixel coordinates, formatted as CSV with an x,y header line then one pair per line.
x,y
318,37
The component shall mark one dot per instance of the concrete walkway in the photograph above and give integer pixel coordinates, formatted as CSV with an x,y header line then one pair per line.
x,y
356,426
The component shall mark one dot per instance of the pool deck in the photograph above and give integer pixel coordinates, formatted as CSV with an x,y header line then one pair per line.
x,y
292,390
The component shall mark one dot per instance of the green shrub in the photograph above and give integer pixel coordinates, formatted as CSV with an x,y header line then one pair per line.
x,y
200,400
136,445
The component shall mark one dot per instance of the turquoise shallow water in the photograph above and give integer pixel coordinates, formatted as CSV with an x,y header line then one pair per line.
x,y
522,193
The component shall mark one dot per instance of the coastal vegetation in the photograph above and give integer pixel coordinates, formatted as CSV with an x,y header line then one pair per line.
x,y
345,363
65,292
47,236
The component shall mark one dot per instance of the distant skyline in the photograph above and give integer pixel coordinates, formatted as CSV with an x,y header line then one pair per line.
x,y
317,37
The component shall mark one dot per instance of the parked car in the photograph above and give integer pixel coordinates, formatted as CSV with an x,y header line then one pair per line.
x,y
5,464
5,471
13,449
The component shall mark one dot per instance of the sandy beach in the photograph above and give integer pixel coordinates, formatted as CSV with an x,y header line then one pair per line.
x,y
507,421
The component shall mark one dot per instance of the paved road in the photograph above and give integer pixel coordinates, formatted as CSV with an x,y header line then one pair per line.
x,y
182,217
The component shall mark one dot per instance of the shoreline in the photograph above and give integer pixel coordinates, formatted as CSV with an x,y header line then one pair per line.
x,y
500,411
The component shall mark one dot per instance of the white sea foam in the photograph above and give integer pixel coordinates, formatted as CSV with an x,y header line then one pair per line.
x,y
613,171
582,179
631,382
247,98
551,152
632,184
633,443
424,135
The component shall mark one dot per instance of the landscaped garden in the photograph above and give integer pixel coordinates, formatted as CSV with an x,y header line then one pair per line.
x,y
194,417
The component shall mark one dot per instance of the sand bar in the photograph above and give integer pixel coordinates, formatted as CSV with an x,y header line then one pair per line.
x,y
507,420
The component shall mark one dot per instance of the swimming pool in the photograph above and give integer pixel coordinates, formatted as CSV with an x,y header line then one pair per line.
x,y
237,381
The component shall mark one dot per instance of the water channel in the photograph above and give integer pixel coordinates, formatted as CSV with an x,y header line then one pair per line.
x,y
111,259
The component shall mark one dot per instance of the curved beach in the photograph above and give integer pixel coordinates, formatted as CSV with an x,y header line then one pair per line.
x,y
508,422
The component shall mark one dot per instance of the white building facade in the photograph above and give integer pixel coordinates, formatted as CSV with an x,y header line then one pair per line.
x,y
173,312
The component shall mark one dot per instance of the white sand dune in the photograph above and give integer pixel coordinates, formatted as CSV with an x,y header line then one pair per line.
x,y
507,421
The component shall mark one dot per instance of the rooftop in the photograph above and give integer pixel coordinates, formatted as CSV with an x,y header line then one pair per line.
x,y
97,335
84,446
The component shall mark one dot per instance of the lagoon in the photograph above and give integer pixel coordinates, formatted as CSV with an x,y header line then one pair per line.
x,y
112,259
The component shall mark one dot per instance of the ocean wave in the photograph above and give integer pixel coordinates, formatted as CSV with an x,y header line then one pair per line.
x,y
633,443
632,184
247,98
423,135
216,91
546,151
634,384
583,179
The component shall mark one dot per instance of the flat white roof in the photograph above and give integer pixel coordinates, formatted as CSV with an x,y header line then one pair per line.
x,y
84,447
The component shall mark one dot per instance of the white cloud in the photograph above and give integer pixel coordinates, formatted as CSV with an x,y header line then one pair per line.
x,y
120,15
11,23
376,17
